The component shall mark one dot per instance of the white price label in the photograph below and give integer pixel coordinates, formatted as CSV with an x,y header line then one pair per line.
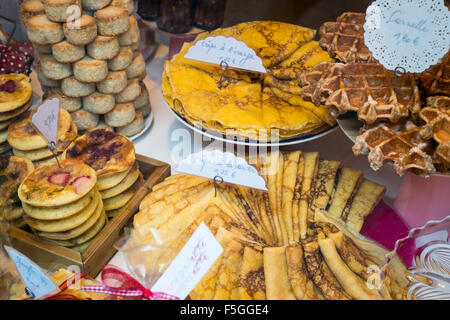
x,y
46,119
225,50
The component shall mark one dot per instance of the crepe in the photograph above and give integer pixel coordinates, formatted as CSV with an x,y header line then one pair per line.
x,y
251,275
289,179
311,167
278,286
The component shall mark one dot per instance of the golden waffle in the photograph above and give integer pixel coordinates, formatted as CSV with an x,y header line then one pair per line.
x,y
403,146
436,79
367,88
345,38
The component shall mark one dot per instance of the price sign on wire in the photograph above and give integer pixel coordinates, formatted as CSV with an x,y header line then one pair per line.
x,y
411,34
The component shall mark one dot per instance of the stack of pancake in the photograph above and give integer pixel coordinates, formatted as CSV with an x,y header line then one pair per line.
x,y
28,143
62,205
13,171
15,99
245,104
298,240
93,64
112,156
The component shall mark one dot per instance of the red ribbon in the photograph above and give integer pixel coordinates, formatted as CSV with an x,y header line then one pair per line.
x,y
117,282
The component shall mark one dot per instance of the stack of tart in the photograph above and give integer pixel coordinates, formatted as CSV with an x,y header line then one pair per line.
x,y
62,204
15,99
13,171
92,64
28,143
244,104
298,240
112,156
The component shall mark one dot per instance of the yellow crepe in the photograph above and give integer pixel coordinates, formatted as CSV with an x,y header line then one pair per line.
x,y
289,179
311,167
278,286
251,276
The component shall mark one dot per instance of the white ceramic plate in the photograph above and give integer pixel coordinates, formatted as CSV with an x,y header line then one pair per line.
x,y
252,143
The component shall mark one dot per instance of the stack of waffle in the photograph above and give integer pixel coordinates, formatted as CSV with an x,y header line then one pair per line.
x,y
15,99
93,64
290,242
113,158
13,171
399,125
28,143
62,204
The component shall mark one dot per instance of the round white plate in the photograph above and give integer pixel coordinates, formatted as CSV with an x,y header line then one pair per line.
x,y
252,143
148,123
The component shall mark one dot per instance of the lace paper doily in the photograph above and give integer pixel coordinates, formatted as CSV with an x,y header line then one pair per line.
x,y
413,34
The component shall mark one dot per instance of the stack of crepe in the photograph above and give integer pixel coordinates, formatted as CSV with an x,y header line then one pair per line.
x,y
285,243
248,105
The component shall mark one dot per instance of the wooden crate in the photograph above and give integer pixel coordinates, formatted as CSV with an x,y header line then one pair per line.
x,y
50,256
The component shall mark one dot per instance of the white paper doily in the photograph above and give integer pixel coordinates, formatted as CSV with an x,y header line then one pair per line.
x,y
412,34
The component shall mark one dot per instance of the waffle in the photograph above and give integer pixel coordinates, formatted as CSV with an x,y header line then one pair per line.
x,y
345,38
436,79
436,116
401,144
367,88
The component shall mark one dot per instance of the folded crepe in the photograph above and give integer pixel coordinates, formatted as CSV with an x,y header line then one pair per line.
x,y
278,286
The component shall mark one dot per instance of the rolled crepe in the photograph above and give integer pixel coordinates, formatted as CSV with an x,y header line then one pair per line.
x,y
351,283
278,286
251,276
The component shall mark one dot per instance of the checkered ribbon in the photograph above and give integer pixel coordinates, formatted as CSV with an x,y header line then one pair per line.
x,y
117,282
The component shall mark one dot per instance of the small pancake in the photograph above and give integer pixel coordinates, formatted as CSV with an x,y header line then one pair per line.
x,y
62,212
39,190
76,232
41,153
80,248
47,161
112,213
110,180
124,185
113,151
14,113
11,213
66,223
12,100
5,124
3,136
23,136
122,199
13,171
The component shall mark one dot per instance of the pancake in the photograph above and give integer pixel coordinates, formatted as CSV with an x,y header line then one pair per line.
x,y
42,153
11,212
3,136
51,186
21,94
124,185
5,124
122,199
47,161
13,171
251,276
65,224
55,213
110,180
76,232
113,151
23,136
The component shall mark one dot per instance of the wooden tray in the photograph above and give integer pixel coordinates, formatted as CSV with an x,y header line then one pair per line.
x,y
51,256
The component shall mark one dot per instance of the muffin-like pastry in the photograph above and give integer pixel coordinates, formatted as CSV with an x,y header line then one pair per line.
x,y
44,81
145,110
99,103
23,136
53,69
70,104
94,4
121,115
143,99
122,60
42,48
137,66
43,31
114,83
102,125
103,48
132,35
112,20
85,32
73,88
115,152
133,128
130,93
127,4
90,70
85,120
29,9
51,186
135,46
66,52
58,10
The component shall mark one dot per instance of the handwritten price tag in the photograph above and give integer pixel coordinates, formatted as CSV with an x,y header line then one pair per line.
x,y
46,119
411,34
220,49
190,265
232,169
40,285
